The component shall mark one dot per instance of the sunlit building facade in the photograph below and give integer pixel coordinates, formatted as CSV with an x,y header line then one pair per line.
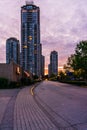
x,y
30,38
12,50
53,67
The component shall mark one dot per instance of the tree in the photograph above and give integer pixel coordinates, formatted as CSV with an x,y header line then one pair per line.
x,y
61,75
78,61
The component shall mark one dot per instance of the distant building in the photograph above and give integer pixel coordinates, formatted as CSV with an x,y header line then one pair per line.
x,y
12,50
13,72
53,67
49,73
20,59
30,38
43,66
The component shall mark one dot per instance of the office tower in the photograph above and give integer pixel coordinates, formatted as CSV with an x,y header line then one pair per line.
x,y
53,63
49,73
20,59
43,66
30,38
12,50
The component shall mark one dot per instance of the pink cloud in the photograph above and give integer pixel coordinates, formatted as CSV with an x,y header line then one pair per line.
x,y
63,24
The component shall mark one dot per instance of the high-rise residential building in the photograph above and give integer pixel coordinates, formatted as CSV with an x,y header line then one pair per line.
x,y
43,65
53,67
49,73
12,50
30,38
20,59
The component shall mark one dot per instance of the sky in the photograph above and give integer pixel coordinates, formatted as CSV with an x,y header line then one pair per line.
x,y
63,24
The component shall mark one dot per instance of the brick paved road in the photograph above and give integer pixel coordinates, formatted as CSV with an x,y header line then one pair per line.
x,y
53,106
28,116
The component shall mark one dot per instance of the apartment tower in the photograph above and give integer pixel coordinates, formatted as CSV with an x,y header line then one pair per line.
x,y
30,38
12,50
53,67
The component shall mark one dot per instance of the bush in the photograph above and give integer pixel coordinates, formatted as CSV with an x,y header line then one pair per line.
x,y
3,83
14,84
26,81
6,84
78,83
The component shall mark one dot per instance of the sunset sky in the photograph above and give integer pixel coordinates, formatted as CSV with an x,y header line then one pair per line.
x,y
63,24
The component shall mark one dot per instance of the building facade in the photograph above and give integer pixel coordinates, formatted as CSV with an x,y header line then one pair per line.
x,y
49,73
30,38
12,50
43,65
11,71
53,67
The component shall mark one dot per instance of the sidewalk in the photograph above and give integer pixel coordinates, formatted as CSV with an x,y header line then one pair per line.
x,y
27,114
7,108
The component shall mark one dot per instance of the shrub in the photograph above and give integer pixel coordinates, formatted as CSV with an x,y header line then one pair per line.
x,y
78,83
3,83
14,84
26,81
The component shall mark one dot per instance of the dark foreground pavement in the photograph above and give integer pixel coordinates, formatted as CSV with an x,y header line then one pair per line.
x,y
7,103
50,106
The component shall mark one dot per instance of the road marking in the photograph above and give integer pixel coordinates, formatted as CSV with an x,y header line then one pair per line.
x,y
32,90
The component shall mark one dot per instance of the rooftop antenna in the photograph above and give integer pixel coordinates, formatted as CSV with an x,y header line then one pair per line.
x,y
29,2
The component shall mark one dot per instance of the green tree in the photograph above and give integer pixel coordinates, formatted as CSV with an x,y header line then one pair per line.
x,y
61,75
78,61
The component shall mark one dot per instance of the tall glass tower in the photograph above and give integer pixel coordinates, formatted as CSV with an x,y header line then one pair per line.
x,y
53,67
12,50
30,38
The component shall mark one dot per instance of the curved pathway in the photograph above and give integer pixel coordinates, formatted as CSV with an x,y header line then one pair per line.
x,y
49,106
28,115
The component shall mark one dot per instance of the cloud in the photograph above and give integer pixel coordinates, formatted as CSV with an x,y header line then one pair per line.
x,y
63,24
2,54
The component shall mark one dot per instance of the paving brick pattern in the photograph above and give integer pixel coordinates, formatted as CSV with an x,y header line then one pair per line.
x,y
52,107
28,115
